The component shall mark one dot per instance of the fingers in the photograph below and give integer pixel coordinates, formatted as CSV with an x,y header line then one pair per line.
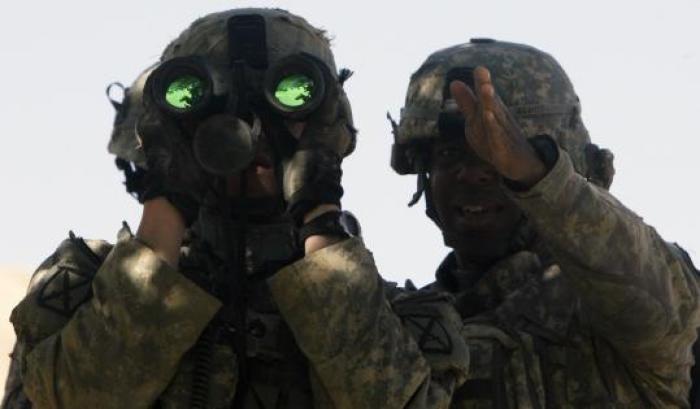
x,y
465,98
492,138
489,109
496,115
474,125
485,89
485,97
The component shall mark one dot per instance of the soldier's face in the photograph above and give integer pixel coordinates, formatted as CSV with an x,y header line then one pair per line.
x,y
468,194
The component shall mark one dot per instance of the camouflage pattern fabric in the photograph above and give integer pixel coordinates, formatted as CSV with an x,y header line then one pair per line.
x,y
600,312
134,341
342,339
125,341
15,398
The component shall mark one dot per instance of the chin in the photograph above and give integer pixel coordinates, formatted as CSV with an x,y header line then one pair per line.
x,y
462,233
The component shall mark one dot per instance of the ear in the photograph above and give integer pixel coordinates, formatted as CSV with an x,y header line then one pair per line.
x,y
601,169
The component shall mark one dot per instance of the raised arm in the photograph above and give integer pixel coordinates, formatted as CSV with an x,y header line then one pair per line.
x,y
637,287
124,343
637,290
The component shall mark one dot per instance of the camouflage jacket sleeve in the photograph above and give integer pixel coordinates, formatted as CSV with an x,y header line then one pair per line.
x,y
636,289
119,347
361,353
14,395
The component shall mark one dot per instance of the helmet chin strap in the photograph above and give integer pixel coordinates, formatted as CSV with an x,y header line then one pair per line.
x,y
424,188
421,187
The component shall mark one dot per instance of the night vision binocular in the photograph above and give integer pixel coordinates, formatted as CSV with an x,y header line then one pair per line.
x,y
189,87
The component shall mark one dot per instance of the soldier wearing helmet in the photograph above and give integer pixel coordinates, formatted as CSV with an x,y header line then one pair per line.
x,y
244,285
568,299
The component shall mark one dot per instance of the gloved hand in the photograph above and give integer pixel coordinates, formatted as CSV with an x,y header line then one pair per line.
x,y
312,176
173,172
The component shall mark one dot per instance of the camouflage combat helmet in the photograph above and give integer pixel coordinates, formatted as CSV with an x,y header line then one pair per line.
x,y
531,84
285,34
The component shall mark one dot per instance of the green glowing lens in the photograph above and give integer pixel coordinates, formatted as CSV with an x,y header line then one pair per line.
x,y
294,91
185,92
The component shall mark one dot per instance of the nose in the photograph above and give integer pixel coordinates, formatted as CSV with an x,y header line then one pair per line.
x,y
476,174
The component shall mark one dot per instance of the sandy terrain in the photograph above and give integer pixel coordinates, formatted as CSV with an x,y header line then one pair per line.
x,y
13,284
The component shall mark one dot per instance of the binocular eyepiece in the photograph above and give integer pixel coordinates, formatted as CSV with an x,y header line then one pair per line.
x,y
184,88
295,87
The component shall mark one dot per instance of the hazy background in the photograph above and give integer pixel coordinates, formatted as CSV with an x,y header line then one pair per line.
x,y
635,67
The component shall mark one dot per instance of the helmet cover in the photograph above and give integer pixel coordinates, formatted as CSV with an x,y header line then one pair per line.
x,y
207,37
530,83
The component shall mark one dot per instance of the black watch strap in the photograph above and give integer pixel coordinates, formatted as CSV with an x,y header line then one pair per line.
x,y
335,223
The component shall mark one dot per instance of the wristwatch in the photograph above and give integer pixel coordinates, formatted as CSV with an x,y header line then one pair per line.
x,y
336,223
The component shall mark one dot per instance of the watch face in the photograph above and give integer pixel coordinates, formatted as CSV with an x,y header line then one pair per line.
x,y
350,224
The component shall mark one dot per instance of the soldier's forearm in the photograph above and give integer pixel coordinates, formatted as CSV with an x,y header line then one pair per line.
x,y
623,270
122,347
585,224
162,229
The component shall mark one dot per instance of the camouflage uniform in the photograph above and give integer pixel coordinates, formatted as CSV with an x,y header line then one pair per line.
x,y
128,330
592,308
114,326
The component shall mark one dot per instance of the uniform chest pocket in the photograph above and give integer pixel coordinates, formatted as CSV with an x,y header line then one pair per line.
x,y
572,375
504,371
485,386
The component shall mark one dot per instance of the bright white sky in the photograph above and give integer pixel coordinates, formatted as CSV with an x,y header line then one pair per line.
x,y
634,64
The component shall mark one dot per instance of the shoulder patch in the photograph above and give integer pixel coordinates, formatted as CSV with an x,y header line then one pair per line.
x,y
65,290
58,287
70,284
427,316
430,333
430,318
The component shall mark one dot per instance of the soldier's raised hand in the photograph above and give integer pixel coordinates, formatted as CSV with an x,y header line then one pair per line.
x,y
173,172
173,187
493,133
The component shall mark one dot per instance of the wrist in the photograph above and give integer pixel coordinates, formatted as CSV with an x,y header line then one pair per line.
x,y
318,242
545,154
536,171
